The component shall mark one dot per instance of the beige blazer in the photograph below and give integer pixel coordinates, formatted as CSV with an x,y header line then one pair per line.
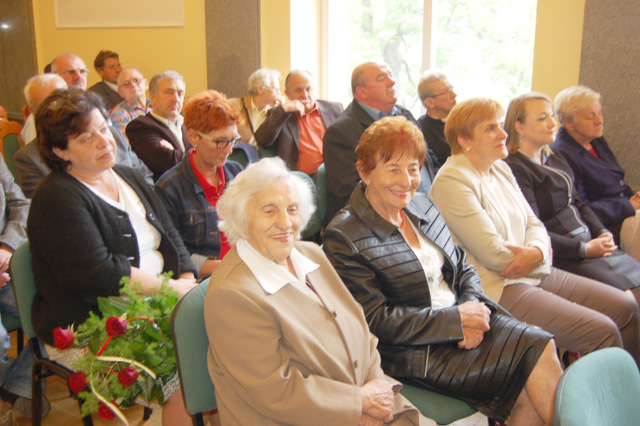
x,y
479,224
282,358
244,125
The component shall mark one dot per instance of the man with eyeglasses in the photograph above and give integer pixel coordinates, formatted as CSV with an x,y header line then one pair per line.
x,y
438,97
159,137
132,86
72,69
374,97
107,64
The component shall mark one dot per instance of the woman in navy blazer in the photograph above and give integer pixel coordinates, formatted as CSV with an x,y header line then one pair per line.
x,y
599,179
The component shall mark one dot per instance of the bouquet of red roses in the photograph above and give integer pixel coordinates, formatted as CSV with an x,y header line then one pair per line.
x,y
128,351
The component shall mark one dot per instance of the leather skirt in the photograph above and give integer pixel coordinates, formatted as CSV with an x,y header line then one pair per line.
x,y
490,377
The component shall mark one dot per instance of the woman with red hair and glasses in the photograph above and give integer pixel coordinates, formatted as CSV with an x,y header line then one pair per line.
x,y
191,188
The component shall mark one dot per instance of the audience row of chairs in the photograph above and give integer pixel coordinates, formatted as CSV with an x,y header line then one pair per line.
x,y
600,388
586,393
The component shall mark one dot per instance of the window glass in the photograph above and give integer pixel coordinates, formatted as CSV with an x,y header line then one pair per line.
x,y
485,47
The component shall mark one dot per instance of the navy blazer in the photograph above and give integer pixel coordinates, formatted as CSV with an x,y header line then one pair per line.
x,y
598,181
145,134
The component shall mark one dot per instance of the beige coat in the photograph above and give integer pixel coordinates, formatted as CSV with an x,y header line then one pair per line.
x,y
478,222
282,358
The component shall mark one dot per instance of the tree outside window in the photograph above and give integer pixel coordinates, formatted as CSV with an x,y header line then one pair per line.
x,y
485,47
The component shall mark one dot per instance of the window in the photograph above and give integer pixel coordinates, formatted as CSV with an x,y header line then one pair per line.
x,y
485,47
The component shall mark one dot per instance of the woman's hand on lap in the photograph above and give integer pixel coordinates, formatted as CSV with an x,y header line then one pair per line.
x,y
526,260
377,400
475,315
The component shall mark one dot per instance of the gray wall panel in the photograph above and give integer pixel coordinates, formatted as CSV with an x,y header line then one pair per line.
x,y
610,64
233,44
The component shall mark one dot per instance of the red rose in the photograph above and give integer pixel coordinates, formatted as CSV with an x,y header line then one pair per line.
x,y
78,381
127,376
106,412
63,337
116,326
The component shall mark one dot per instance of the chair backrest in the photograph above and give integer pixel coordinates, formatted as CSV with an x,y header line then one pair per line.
x,y
601,388
191,346
315,222
24,286
244,154
10,142
321,185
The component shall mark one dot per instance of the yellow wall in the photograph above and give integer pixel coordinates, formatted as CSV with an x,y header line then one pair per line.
x,y
558,44
275,35
151,50
556,63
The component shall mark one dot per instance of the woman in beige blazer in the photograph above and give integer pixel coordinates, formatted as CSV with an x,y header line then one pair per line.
x,y
288,343
510,248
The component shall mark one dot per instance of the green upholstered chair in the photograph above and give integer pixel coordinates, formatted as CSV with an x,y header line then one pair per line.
x,y
191,345
601,388
441,408
10,143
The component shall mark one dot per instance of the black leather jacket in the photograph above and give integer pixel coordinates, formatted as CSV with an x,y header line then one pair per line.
x,y
387,279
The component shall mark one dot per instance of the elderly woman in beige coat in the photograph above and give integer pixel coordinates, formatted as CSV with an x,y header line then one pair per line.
x,y
489,217
288,343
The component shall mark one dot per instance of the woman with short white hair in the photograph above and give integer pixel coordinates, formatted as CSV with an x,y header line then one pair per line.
x,y
287,342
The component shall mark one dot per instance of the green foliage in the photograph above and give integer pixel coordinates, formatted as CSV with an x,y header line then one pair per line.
x,y
485,47
147,341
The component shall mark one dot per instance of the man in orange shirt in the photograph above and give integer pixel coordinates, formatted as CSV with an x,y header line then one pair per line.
x,y
296,128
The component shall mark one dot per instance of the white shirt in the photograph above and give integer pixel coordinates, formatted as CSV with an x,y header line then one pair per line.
x,y
432,260
148,237
176,128
28,132
256,117
273,277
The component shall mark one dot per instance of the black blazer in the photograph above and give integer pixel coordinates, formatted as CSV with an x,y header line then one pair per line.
x,y
145,134
386,278
339,144
280,129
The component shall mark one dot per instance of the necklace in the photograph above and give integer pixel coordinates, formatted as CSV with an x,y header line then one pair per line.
x,y
114,188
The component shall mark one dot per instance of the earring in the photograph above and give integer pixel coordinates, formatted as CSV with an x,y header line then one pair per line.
x,y
468,149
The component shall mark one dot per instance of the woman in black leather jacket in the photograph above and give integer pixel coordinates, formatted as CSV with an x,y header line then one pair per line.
x,y
436,328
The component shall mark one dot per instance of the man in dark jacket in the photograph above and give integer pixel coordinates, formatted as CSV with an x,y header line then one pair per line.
x,y
374,97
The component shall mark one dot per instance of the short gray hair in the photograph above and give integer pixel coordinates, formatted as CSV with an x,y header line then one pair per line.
x,y
262,78
572,100
122,73
38,81
156,79
255,178
424,85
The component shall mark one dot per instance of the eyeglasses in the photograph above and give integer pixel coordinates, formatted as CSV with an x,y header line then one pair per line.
x,y
221,143
73,71
446,92
112,66
128,83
